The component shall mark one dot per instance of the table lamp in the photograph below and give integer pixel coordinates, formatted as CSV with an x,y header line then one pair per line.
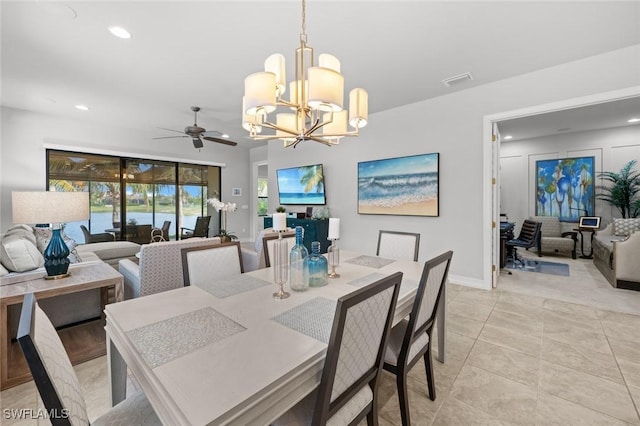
x,y
36,207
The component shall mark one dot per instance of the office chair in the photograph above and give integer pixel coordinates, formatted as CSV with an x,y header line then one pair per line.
x,y
529,237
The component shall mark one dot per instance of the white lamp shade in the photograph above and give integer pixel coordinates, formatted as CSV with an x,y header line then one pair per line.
x,y
279,221
250,122
334,228
337,126
260,93
329,61
294,88
287,121
358,108
326,89
275,65
49,207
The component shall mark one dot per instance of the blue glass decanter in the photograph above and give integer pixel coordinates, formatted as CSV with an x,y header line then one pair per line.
x,y
316,269
297,256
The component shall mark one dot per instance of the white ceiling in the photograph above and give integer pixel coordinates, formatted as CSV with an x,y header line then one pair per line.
x,y
59,54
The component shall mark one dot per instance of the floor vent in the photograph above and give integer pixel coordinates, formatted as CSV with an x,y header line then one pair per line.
x,y
457,79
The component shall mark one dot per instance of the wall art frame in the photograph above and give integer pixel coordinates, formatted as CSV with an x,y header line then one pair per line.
x,y
404,186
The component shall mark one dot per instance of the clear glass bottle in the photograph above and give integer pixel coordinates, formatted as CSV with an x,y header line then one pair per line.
x,y
297,256
316,270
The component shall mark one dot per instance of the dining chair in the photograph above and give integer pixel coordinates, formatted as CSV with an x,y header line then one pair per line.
x,y
348,385
201,264
56,379
398,245
269,240
410,339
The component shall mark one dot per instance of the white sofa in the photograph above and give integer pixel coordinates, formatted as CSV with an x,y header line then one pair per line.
x,y
159,267
616,253
252,257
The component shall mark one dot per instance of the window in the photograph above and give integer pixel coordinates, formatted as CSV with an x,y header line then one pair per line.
x,y
263,196
152,191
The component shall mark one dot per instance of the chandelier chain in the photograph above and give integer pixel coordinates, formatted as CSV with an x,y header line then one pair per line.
x,y
304,17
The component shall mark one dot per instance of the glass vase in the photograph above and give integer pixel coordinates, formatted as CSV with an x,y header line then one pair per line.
x,y
280,266
316,269
297,256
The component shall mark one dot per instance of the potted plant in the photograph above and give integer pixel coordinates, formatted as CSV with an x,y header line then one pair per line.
x,y
225,236
280,209
624,190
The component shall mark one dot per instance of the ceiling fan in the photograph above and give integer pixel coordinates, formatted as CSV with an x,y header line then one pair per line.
x,y
197,133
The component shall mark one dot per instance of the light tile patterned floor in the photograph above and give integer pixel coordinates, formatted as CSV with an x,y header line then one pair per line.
x,y
539,350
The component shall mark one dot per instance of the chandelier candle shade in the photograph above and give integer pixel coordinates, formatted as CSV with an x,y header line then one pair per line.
x,y
314,108
333,253
51,207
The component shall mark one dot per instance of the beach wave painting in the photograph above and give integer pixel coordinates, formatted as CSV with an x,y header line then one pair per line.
x,y
399,186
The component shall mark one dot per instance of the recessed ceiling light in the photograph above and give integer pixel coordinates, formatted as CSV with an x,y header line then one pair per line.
x,y
506,138
82,107
224,135
633,120
119,32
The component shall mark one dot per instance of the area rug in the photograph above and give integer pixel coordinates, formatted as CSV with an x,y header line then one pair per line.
x,y
541,266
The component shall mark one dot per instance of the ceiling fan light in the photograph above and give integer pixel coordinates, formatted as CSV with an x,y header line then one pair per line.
x,y
275,64
260,94
358,108
326,89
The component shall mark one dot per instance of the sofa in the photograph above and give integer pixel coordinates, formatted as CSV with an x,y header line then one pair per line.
x,y
159,267
553,240
616,253
252,256
21,250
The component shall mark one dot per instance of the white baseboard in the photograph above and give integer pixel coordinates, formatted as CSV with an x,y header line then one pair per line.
x,y
469,282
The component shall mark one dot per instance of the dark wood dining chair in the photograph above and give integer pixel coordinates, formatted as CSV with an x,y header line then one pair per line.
x,y
410,339
398,245
348,386
56,379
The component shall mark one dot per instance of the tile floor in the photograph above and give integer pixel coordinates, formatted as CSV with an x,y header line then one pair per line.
x,y
539,350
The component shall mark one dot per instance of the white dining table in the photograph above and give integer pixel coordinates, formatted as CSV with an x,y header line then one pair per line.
x,y
228,353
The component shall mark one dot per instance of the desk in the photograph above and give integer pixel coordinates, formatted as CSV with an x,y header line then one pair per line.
x,y
254,374
580,231
84,276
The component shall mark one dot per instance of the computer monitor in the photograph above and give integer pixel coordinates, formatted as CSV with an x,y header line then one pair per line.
x,y
589,222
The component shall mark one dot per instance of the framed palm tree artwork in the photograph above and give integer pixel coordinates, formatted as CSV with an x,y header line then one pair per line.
x,y
400,186
565,188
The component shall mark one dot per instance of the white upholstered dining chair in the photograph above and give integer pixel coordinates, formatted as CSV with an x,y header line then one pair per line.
x,y
398,245
201,264
346,394
56,379
410,339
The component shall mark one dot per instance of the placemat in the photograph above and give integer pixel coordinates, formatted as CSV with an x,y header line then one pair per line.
x,y
370,261
366,280
313,318
229,286
164,341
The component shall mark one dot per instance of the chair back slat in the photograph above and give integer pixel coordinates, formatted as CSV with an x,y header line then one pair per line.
x,y
529,231
356,347
50,366
398,245
202,264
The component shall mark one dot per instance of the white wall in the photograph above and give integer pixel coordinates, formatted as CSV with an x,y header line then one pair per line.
x,y
453,126
23,164
612,148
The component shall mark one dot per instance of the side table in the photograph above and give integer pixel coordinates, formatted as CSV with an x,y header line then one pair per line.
x,y
91,334
580,231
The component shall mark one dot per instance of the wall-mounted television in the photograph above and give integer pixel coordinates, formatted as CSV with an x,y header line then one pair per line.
x,y
301,185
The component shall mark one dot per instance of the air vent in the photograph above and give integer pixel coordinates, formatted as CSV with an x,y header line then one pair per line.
x,y
457,79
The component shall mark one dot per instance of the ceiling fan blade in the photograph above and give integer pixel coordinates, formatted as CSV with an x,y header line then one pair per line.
x,y
220,140
171,130
197,143
171,137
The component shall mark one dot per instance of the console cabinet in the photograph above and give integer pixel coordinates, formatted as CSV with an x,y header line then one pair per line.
x,y
314,230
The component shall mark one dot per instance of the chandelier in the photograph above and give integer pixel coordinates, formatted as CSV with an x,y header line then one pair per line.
x,y
315,99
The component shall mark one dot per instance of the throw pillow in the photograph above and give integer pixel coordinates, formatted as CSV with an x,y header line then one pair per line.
x,y
24,231
3,270
625,227
18,254
43,236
